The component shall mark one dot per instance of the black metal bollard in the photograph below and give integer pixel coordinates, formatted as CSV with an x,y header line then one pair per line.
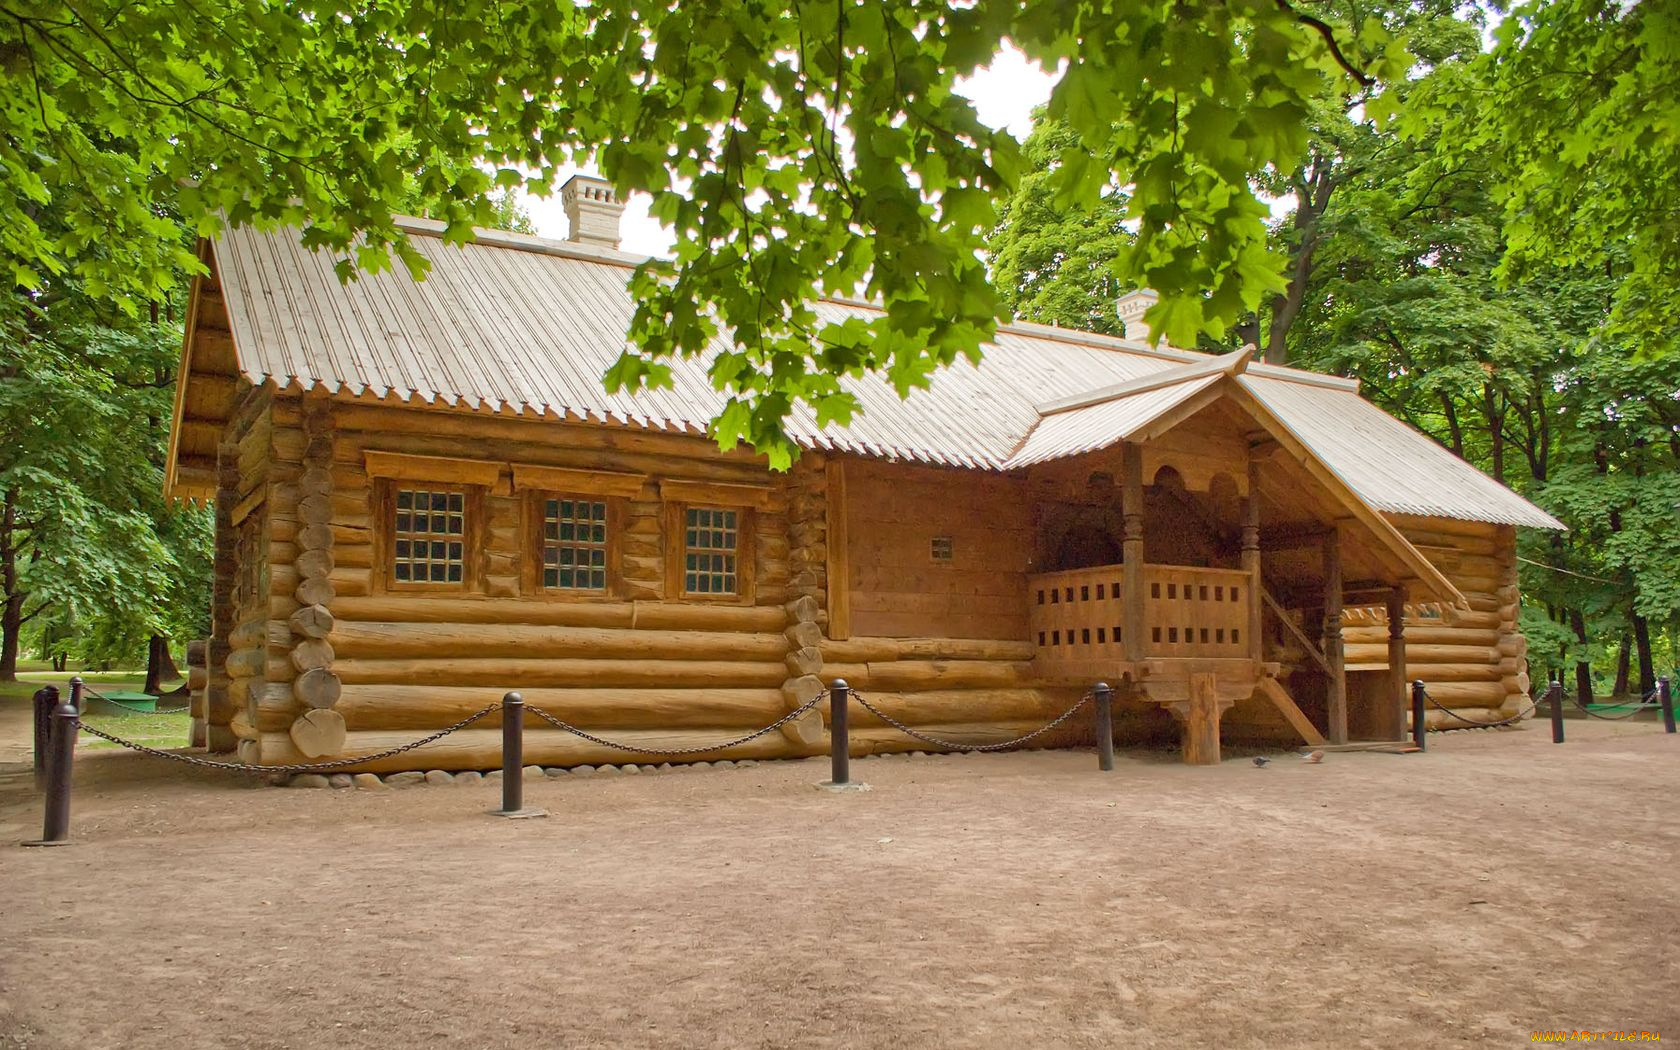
x,y
1665,697
1103,693
513,753
1420,724
1554,696
839,734
46,701
61,746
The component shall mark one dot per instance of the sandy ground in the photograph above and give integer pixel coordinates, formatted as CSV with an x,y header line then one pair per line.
x,y
1495,886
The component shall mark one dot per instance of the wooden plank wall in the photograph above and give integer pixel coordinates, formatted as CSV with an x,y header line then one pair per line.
x,y
637,667
1474,661
897,590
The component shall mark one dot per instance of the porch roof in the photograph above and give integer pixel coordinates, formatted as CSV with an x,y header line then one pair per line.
x,y
521,325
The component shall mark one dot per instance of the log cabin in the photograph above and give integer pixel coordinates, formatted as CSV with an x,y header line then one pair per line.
x,y
424,496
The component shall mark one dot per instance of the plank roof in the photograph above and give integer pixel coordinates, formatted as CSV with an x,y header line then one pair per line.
x,y
520,324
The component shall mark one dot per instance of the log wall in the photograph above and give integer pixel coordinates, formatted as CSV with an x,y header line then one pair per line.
x,y
349,665
1476,661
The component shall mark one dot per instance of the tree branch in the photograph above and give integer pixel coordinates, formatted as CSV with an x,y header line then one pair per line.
x,y
1325,30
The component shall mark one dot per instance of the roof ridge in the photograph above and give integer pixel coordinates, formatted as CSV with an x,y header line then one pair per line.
x,y
1233,363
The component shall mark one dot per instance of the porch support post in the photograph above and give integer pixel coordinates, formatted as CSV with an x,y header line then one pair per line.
x,y
1251,558
1337,692
1131,553
1398,693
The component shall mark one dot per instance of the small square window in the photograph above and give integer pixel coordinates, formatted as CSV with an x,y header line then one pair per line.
x,y
428,533
711,550
942,548
574,545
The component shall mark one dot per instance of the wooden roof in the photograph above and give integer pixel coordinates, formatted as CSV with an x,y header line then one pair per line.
x,y
521,325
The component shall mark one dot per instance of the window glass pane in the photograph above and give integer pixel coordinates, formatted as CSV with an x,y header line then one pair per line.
x,y
574,534
427,531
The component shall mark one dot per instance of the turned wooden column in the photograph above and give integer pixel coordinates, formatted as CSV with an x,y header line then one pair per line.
x,y
1398,689
1251,559
1131,552
1336,693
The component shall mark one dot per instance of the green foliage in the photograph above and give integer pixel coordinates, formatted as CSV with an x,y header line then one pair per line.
x,y
91,551
1055,265
1573,111
823,153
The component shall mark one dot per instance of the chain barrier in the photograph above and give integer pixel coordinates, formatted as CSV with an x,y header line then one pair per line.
x,y
313,767
1640,705
953,745
1533,706
637,749
130,706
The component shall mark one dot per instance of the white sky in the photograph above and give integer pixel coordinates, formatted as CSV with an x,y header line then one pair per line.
x,y
1003,94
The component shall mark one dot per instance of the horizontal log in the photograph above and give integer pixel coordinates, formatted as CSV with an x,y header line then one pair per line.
x,y
364,640
1410,523
940,707
1438,719
412,608
504,674
1445,672
1466,694
873,650
1425,654
481,748
426,707
911,675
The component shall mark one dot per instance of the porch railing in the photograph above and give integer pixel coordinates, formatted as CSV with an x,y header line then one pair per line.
x,y
1077,615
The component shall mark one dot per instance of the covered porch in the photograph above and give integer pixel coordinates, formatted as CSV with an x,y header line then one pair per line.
x,y
1214,574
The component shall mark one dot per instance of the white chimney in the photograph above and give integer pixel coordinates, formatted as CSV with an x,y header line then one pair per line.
x,y
592,211
1131,307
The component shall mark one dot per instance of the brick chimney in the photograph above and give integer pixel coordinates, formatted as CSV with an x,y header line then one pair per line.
x,y
592,211
1130,307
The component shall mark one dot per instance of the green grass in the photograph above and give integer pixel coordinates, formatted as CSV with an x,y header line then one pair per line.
x,y
152,730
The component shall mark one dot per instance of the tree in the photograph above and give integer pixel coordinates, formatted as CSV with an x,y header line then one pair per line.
x,y
1056,264
88,550
794,156
1574,105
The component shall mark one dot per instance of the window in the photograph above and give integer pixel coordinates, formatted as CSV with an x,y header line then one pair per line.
x,y
429,536
574,545
711,551
942,548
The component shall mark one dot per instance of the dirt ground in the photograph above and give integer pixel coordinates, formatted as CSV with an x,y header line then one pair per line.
x,y
1495,886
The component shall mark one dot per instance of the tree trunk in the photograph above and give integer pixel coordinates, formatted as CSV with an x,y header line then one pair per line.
x,y
11,627
1583,668
1642,645
1623,655
11,616
160,666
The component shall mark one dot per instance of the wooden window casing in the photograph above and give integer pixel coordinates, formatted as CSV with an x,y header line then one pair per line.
x,y
699,557
450,532
547,541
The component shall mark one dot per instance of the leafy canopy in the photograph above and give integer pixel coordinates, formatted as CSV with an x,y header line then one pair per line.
x,y
797,153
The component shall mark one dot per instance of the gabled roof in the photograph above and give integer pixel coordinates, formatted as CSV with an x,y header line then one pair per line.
x,y
517,324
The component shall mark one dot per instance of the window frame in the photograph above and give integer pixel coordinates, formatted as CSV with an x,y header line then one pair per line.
x,y
676,553
472,533
531,557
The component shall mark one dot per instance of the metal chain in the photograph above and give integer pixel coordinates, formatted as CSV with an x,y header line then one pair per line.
x,y
1469,724
953,745
128,706
1637,708
638,750
315,767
